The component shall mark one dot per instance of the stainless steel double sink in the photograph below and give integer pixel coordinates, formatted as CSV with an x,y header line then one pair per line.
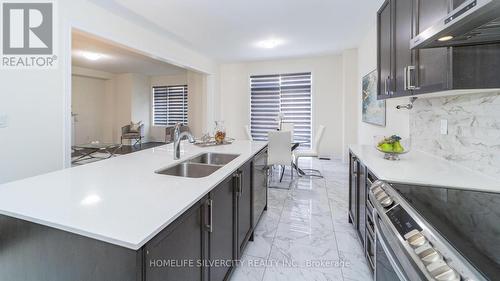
x,y
199,166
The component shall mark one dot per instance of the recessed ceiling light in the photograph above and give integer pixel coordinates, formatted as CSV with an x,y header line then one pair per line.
x,y
269,43
445,38
91,199
92,56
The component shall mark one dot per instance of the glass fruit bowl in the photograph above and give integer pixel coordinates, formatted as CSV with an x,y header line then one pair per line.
x,y
392,146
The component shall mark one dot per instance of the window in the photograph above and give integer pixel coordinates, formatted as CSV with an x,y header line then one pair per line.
x,y
289,94
170,105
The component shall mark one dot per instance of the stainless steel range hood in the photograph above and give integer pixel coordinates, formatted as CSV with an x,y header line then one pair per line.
x,y
472,23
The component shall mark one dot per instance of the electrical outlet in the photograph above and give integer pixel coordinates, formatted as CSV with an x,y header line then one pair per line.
x,y
4,121
444,127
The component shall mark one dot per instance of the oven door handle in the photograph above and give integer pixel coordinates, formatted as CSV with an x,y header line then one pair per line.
x,y
390,255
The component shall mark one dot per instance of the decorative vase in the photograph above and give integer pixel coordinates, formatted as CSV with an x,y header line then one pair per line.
x,y
219,132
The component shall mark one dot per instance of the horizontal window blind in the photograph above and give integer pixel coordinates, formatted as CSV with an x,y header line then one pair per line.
x,y
265,105
289,94
170,105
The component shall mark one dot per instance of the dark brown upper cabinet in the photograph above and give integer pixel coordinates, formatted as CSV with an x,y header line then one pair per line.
x,y
432,64
405,72
395,59
403,60
385,70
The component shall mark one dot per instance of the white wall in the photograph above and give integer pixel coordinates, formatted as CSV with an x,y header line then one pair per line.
x,y
93,94
327,94
169,80
130,101
350,84
397,120
88,103
111,108
141,101
31,146
121,103
197,99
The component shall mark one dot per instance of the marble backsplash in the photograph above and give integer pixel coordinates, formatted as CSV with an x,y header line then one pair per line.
x,y
473,138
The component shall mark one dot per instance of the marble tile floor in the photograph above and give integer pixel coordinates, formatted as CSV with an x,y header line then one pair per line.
x,y
304,234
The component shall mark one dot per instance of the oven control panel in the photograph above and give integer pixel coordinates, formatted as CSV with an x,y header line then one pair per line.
x,y
402,221
432,259
380,195
419,243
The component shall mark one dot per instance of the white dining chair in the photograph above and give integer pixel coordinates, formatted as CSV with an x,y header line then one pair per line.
x,y
288,127
279,151
248,132
313,152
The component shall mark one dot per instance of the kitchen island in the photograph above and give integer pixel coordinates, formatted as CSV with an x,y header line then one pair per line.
x,y
109,220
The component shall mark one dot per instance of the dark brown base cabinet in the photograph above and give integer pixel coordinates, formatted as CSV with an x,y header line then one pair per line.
x,y
357,196
353,189
243,203
362,192
259,185
31,251
360,208
201,244
182,241
221,239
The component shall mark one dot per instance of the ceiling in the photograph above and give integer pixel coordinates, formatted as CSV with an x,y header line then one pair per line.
x,y
229,30
115,59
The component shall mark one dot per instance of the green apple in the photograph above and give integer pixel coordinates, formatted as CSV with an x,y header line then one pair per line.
x,y
397,147
386,147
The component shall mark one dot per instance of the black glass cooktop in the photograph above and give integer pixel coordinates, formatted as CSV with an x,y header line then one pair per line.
x,y
469,220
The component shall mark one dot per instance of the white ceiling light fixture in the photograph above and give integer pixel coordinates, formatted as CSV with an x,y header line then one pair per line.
x,y
90,199
92,56
270,43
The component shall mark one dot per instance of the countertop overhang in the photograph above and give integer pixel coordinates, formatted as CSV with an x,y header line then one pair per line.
x,y
120,200
421,168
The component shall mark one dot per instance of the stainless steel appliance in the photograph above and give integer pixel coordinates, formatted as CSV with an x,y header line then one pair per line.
x,y
427,233
471,23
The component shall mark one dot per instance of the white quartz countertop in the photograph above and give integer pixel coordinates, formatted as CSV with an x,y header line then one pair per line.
x,y
119,200
421,168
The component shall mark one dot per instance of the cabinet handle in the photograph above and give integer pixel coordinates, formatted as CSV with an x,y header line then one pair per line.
x,y
405,78
240,182
237,177
209,226
385,86
409,70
